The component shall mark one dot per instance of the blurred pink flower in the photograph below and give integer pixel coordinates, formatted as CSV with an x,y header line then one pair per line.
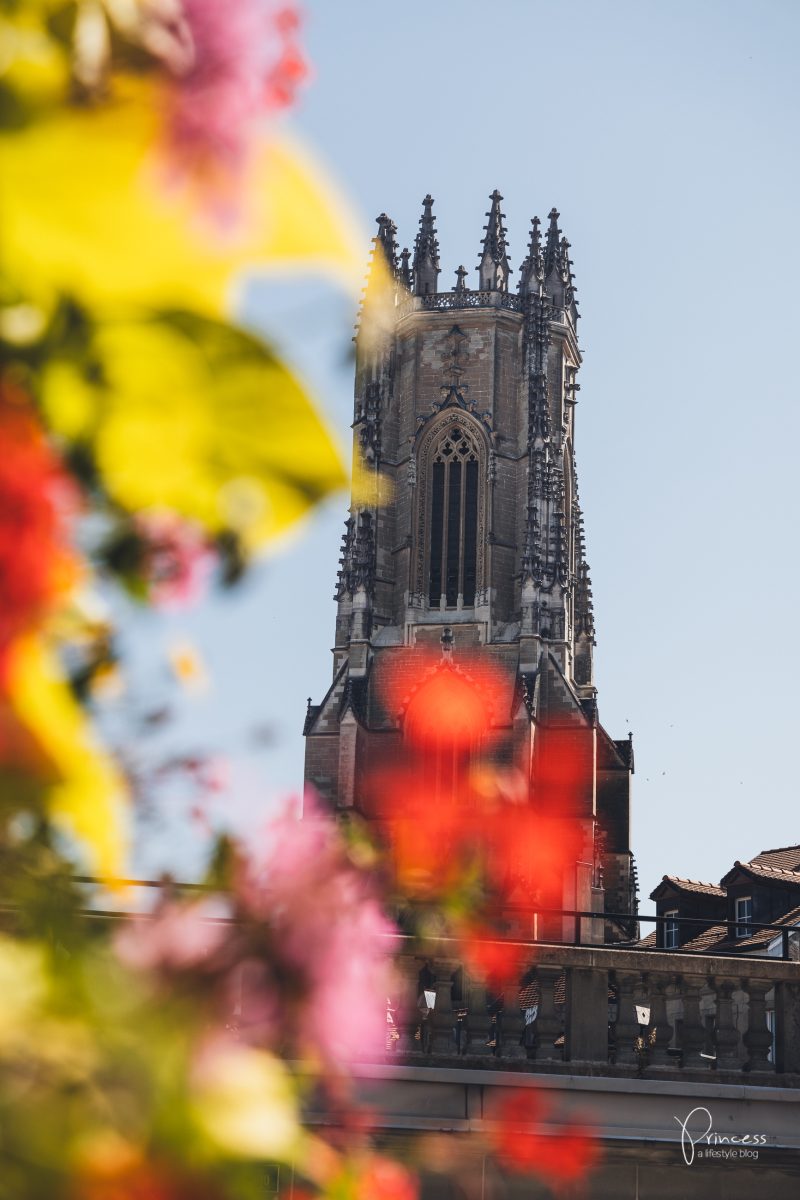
x,y
177,938
327,929
177,560
245,61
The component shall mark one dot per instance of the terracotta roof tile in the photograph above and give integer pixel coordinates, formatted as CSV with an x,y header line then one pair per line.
x,y
693,885
787,857
711,938
764,936
764,871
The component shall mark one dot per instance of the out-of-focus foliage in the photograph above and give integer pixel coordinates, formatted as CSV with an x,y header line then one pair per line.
x,y
135,186
150,444
230,438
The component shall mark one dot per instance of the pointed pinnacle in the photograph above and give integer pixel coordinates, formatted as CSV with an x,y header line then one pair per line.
x,y
553,241
426,243
405,269
533,266
387,231
494,243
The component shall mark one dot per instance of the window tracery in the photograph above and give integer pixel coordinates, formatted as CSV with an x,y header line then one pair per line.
x,y
451,520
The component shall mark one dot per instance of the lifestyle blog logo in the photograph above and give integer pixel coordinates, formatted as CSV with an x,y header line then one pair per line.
x,y
697,1130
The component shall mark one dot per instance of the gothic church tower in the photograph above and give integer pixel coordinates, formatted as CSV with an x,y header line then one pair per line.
x,y
465,531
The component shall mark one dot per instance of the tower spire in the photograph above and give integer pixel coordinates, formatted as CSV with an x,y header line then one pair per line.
x,y
387,238
532,269
382,274
493,266
553,242
558,278
426,252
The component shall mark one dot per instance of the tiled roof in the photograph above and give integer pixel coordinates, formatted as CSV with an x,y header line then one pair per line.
x,y
650,940
763,937
692,885
709,939
787,857
762,870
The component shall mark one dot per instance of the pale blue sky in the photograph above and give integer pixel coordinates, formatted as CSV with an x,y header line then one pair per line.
x,y
666,134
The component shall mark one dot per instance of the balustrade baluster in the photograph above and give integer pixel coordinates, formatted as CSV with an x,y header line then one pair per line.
x,y
442,1015
586,1017
758,1038
479,1022
627,1025
674,1007
659,1031
741,1018
708,1022
549,1026
729,1057
787,1027
693,1035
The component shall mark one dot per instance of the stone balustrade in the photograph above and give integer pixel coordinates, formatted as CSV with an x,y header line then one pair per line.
x,y
576,1012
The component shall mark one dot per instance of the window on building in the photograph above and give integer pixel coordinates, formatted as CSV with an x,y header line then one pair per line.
x,y
454,519
744,915
671,941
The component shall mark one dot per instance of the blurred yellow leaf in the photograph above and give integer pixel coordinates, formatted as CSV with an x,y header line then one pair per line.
x,y
245,1102
86,208
200,418
85,794
371,487
22,987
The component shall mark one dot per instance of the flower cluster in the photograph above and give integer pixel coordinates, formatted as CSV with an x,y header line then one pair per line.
x,y
303,961
37,498
244,61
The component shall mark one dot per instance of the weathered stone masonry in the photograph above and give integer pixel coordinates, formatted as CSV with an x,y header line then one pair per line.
x,y
465,414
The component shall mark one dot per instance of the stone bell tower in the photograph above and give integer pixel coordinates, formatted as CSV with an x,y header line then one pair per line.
x,y
465,530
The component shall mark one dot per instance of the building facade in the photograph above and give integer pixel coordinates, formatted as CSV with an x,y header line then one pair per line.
x,y
465,540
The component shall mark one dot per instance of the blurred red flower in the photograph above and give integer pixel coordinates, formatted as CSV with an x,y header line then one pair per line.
x,y
560,1153
446,703
105,1178
37,500
385,1179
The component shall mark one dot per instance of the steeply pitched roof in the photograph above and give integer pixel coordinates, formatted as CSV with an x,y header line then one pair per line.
x,y
787,857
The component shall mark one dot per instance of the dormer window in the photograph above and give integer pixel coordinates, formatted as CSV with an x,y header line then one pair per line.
x,y
671,941
744,915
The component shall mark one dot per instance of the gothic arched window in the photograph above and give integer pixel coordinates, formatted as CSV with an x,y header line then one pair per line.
x,y
452,464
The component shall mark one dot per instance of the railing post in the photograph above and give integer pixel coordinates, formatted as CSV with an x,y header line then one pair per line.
x,y
708,1019
659,1027
758,1038
674,1007
478,1019
727,1039
692,1032
787,1027
586,1031
442,1016
627,1025
549,1025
